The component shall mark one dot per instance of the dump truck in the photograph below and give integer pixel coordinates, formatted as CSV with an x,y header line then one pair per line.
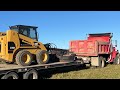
x,y
97,49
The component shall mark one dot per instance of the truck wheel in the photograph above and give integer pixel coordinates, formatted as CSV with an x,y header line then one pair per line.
x,y
117,60
24,58
11,75
42,57
102,62
31,74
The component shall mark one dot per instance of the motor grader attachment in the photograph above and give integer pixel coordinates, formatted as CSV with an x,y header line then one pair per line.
x,y
20,45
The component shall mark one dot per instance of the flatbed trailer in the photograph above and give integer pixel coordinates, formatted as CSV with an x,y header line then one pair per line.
x,y
11,71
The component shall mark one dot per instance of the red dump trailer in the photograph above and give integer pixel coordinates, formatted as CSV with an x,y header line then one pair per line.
x,y
97,50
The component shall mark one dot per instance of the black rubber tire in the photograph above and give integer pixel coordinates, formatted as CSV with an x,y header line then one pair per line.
x,y
13,75
30,72
19,56
117,60
101,62
39,57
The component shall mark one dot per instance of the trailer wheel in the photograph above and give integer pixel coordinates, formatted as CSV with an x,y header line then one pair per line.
x,y
42,57
24,58
31,74
11,75
102,62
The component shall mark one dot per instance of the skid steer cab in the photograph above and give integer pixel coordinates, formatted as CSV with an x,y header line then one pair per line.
x,y
20,45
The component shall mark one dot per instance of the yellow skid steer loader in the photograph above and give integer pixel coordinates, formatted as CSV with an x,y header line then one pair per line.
x,y
20,45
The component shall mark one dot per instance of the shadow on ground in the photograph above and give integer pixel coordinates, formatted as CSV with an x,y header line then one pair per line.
x,y
46,74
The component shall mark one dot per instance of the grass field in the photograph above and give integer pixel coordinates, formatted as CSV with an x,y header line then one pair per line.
x,y
108,72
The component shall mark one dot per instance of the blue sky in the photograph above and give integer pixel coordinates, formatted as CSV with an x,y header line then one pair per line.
x,y
60,27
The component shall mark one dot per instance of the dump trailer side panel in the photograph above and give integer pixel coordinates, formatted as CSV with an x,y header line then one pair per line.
x,y
89,47
84,47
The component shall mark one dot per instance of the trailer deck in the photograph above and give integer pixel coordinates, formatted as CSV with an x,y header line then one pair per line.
x,y
4,68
